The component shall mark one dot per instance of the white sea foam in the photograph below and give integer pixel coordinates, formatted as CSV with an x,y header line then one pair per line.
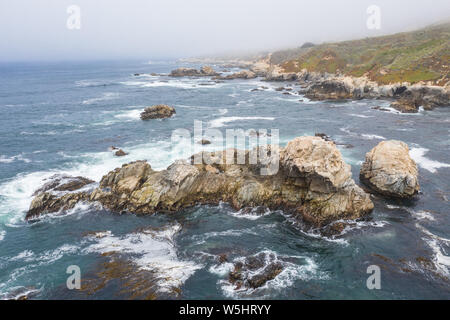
x,y
106,96
304,268
152,250
178,83
365,136
202,238
19,157
130,114
418,156
440,258
2,234
16,193
250,215
220,122
360,115
372,137
419,215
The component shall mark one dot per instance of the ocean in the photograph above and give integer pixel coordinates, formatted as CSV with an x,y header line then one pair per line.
x,y
62,118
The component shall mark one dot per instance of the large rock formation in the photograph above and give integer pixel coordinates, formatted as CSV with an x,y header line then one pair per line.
x,y
389,170
407,98
184,72
205,71
244,74
159,111
308,178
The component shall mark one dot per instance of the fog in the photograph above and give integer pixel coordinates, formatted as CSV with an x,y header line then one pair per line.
x,y
163,29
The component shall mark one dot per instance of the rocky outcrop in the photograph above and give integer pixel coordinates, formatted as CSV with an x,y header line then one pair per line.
x,y
390,171
59,195
120,153
308,178
407,98
159,111
208,71
329,90
205,71
244,74
275,73
184,72
254,271
63,183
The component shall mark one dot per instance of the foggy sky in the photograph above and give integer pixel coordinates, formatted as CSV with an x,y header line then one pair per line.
x,y
158,29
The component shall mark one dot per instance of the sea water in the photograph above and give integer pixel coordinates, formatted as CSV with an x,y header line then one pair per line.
x,y
62,118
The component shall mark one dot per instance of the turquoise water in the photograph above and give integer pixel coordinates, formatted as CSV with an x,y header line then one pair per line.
x,y
61,118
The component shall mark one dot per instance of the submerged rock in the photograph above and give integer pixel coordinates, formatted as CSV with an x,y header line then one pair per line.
x,y
63,183
120,153
159,111
204,141
405,106
254,271
389,170
308,178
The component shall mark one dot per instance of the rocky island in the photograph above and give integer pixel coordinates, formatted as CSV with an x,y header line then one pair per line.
x,y
313,182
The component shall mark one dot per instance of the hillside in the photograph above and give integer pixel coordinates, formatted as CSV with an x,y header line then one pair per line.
x,y
421,55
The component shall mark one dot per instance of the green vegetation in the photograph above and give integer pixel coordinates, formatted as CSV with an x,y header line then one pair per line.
x,y
422,55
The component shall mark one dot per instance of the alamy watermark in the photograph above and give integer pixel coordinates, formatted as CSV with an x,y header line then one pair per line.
x,y
74,280
374,20
262,146
374,280
74,20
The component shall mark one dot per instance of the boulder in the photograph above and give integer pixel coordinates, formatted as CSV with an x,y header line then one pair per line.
x,y
308,178
159,111
204,141
185,72
58,195
405,106
208,71
389,170
63,183
329,90
120,153
254,271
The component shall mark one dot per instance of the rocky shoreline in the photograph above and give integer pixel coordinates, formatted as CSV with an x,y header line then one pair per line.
x,y
405,97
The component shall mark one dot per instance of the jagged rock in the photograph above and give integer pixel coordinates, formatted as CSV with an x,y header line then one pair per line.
x,y
63,183
323,136
390,171
48,203
208,71
254,271
57,195
405,106
184,72
120,153
308,178
328,90
159,111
